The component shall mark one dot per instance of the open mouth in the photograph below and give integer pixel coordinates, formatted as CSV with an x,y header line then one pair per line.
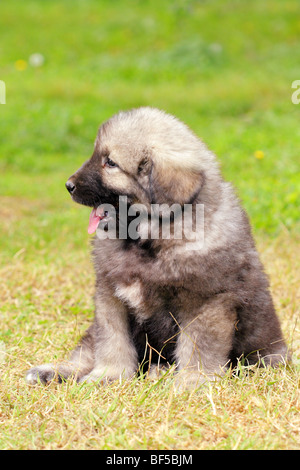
x,y
97,215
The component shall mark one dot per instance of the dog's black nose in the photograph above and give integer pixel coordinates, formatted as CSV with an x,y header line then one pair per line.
x,y
70,186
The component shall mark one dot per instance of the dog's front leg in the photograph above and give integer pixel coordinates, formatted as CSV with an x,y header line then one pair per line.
x,y
115,356
205,341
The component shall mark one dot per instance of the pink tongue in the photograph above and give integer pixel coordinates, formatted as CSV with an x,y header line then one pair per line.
x,y
93,222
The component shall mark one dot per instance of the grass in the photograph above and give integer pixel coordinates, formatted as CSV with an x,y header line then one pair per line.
x,y
225,69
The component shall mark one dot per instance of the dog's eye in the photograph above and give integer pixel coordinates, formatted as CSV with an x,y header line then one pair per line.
x,y
110,163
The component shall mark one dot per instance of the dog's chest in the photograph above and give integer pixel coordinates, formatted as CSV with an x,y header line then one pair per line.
x,y
147,301
143,300
132,295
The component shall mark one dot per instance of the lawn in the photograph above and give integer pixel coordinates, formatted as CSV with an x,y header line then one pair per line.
x,y
226,69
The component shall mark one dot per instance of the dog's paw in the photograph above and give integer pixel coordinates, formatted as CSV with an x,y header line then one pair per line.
x,y
96,377
105,375
41,374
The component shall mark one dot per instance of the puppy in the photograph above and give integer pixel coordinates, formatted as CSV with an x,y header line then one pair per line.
x,y
198,301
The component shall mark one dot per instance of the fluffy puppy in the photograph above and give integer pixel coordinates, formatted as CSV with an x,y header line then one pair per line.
x,y
199,302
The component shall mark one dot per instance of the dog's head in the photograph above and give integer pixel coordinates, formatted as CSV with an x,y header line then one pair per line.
x,y
144,154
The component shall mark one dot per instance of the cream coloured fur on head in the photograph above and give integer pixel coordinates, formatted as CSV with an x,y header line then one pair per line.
x,y
176,156
171,141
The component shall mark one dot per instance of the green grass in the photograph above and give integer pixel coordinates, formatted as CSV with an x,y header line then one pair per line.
x,y
226,69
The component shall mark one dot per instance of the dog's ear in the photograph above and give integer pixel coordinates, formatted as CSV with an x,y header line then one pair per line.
x,y
174,185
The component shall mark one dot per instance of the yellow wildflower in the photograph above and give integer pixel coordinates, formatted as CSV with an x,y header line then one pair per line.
x,y
21,64
259,154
